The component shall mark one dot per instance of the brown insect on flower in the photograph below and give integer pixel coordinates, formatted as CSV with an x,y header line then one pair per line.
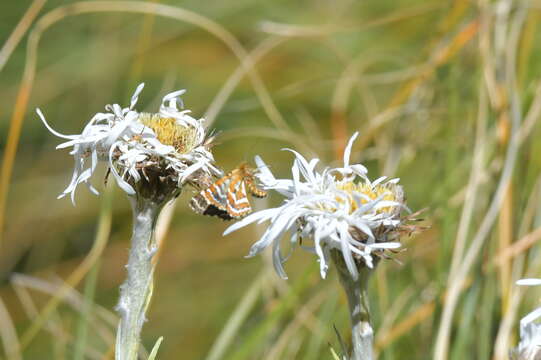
x,y
227,197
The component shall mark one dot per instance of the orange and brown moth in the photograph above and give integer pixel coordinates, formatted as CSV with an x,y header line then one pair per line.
x,y
227,197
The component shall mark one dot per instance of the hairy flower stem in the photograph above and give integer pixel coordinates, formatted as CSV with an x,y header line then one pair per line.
x,y
362,335
136,291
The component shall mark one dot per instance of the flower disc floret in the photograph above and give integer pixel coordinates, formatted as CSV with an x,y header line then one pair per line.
x,y
183,138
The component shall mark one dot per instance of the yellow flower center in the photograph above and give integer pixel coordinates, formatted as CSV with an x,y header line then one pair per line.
x,y
183,139
373,192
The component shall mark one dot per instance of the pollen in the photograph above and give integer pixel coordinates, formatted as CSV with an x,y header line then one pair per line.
x,y
169,132
373,192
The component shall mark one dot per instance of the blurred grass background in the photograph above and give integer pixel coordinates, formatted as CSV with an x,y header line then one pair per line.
x,y
446,96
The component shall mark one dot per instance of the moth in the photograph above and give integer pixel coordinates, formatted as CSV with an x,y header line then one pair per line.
x,y
227,197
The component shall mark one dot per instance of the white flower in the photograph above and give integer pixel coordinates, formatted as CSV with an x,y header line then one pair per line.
x,y
529,347
170,142
338,208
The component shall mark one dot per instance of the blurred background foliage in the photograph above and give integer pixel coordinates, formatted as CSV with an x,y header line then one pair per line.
x,y
445,94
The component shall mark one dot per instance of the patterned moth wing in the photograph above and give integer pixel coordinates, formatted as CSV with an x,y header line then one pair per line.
x,y
227,197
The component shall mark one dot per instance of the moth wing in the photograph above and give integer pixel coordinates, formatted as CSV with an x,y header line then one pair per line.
x,y
216,193
238,205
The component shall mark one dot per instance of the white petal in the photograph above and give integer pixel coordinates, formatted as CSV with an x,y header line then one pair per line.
x,y
281,223
135,95
40,114
274,232
170,108
530,318
258,215
312,164
264,173
190,170
278,261
304,166
117,110
365,229
346,253
379,180
347,151
359,169
172,96
296,177
123,184
385,245
319,252
529,282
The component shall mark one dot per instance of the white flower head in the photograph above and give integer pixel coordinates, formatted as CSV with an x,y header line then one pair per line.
x,y
529,347
340,209
169,147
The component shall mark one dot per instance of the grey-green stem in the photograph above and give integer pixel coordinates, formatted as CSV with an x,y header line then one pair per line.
x,y
136,291
362,335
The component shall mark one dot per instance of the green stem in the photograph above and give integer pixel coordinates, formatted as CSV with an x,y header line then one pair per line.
x,y
362,335
136,291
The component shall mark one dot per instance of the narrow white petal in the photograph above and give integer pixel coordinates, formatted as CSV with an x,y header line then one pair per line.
x,y
312,164
261,244
325,266
92,189
385,245
347,151
190,170
281,224
319,252
530,318
117,110
304,166
346,253
123,184
529,282
277,260
379,180
173,95
172,100
264,174
135,95
296,177
258,215
365,229
70,137
360,170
